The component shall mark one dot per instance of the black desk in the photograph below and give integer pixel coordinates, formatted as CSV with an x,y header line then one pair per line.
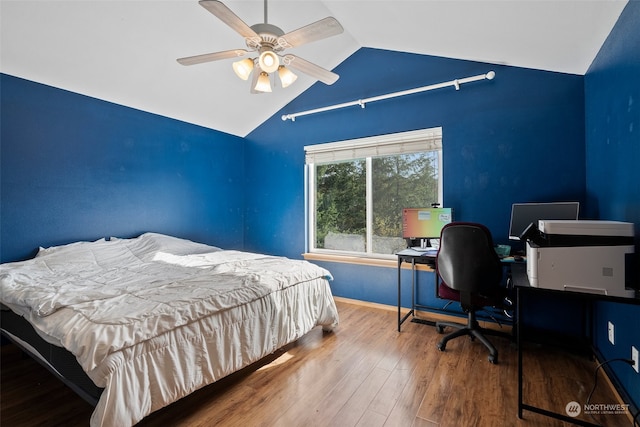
x,y
413,257
427,258
522,286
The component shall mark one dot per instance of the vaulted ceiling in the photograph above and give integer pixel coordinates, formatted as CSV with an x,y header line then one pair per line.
x,y
125,51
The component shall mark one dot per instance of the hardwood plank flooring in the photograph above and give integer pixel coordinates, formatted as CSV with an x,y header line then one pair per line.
x,y
364,373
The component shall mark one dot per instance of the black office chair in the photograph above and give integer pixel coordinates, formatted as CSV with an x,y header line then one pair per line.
x,y
469,271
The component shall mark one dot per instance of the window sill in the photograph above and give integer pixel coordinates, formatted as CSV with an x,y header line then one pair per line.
x,y
360,260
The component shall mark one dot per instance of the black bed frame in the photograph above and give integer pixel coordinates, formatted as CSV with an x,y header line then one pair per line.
x,y
65,366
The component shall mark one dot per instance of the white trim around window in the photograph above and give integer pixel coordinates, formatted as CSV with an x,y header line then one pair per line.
x,y
363,148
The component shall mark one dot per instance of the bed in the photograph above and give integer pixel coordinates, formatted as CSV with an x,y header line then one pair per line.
x,y
151,319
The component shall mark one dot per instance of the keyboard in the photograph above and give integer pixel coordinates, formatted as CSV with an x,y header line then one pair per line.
x,y
427,249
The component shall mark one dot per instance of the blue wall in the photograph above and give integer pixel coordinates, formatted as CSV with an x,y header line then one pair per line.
x,y
612,111
77,168
517,138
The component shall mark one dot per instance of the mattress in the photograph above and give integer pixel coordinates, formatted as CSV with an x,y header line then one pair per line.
x,y
154,318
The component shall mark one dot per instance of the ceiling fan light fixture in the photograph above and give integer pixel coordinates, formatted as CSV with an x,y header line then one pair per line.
x,y
287,77
263,84
243,68
269,61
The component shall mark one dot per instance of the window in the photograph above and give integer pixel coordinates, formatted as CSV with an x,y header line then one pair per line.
x,y
356,190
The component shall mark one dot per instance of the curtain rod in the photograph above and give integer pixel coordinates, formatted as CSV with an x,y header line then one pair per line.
x,y
361,102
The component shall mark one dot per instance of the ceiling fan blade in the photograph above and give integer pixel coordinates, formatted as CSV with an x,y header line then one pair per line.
x,y
318,30
313,70
225,14
208,57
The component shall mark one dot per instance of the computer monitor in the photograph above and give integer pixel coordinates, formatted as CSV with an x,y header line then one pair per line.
x,y
424,223
523,214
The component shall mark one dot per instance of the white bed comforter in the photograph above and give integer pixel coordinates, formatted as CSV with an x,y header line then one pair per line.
x,y
154,318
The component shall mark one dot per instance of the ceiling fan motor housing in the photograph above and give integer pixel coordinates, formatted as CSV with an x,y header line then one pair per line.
x,y
269,35
267,46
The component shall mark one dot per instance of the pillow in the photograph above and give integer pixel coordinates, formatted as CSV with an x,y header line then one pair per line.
x,y
151,243
70,246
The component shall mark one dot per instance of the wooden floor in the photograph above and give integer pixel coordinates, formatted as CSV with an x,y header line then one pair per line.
x,y
365,373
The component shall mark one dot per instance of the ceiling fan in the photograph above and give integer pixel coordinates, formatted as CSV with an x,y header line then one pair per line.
x,y
268,42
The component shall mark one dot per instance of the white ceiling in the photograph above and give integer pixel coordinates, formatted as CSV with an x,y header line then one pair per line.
x,y
125,51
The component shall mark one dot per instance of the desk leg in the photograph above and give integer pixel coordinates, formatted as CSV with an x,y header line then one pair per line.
x,y
399,292
413,286
411,312
519,345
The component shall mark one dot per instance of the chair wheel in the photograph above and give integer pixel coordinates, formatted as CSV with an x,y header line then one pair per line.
x,y
493,359
440,329
441,346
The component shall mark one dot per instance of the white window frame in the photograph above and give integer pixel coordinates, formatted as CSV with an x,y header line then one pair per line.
x,y
364,148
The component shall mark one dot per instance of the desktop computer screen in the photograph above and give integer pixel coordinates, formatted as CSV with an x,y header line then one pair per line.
x,y
424,223
523,214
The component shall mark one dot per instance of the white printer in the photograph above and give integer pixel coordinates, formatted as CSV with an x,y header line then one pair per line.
x,y
580,255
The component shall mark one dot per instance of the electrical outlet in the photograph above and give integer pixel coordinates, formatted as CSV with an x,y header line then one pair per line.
x,y
611,334
634,356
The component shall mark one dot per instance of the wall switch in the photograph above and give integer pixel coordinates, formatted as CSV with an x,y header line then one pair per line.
x,y
611,333
634,356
